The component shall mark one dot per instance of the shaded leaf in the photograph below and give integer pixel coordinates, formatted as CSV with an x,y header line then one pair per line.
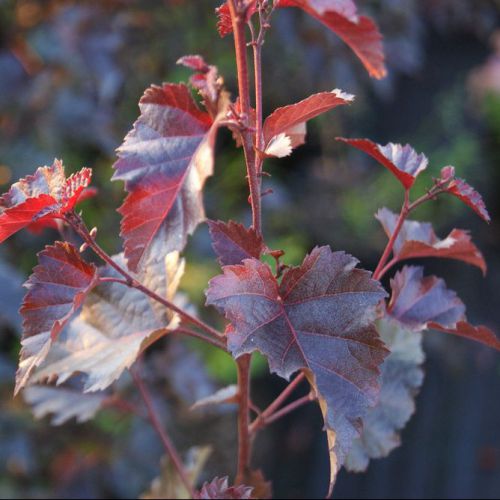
x,y
169,484
417,301
402,377
403,161
285,128
320,318
464,192
56,289
219,488
164,162
464,329
233,242
417,239
64,404
46,194
116,324
360,33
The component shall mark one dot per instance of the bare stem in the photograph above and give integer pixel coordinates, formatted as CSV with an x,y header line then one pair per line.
x,y
167,442
80,227
244,438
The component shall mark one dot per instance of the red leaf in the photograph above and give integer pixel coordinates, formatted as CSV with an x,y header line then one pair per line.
x,y
320,318
194,62
164,162
417,239
233,242
402,161
478,333
289,121
417,301
56,289
219,488
224,23
465,192
360,33
45,194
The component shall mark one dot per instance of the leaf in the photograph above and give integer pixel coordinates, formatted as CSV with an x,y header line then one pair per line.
x,y
56,289
46,194
403,161
464,192
402,377
233,242
464,329
360,33
320,318
286,126
169,484
224,23
116,324
64,404
417,239
164,162
219,488
417,301
226,395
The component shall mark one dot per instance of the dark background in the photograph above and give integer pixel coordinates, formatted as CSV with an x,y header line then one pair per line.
x,y
71,74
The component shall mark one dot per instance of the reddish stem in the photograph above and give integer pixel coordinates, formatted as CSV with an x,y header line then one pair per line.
x,y
244,438
167,443
271,409
80,227
392,240
288,409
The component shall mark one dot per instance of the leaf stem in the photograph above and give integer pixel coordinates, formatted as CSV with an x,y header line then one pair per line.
x,y
79,226
261,420
167,442
392,240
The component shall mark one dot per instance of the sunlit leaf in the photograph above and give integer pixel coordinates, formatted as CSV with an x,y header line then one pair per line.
x,y
56,289
417,239
464,329
403,161
219,488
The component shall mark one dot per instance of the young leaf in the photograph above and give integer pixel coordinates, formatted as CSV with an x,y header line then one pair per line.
x,y
402,377
56,289
219,488
464,192
286,126
464,329
320,318
46,194
224,23
360,33
417,301
417,239
164,162
63,403
233,242
403,161
114,327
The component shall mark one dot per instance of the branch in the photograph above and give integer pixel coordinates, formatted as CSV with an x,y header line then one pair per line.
x,y
244,438
167,443
79,226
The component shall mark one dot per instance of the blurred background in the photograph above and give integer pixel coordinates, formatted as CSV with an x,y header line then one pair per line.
x,y
71,74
